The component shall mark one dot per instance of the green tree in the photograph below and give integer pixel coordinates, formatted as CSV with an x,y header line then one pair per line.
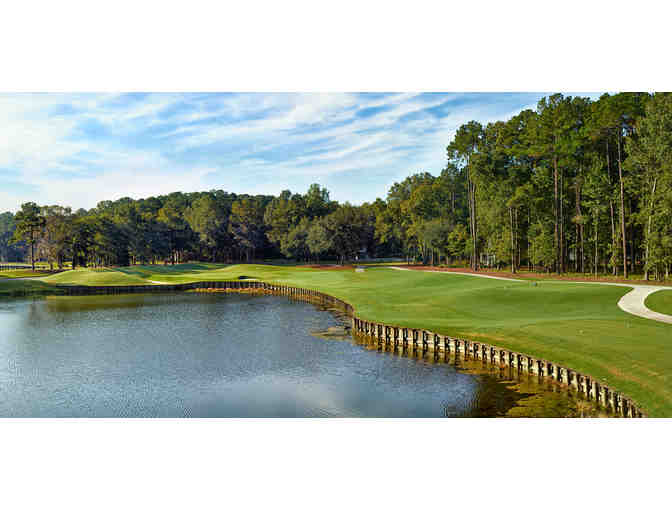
x,y
82,236
318,240
55,239
9,251
281,214
317,202
650,153
346,227
206,218
29,223
171,217
295,243
554,123
246,224
460,151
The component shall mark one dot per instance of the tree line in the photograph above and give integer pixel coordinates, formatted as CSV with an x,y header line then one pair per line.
x,y
573,185
213,226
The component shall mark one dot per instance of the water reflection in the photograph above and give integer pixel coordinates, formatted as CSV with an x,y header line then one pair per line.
x,y
503,391
231,355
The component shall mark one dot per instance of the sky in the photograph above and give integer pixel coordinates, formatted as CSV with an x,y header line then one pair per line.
x,y
78,149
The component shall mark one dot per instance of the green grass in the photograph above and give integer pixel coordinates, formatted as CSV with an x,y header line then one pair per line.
x,y
160,273
97,277
579,326
18,287
21,273
660,301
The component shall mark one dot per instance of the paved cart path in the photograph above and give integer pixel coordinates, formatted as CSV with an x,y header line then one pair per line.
x,y
633,302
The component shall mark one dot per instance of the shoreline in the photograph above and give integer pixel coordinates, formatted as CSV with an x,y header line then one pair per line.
x,y
391,334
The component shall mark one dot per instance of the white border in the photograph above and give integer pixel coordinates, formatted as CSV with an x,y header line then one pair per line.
x,y
332,463
519,45
338,46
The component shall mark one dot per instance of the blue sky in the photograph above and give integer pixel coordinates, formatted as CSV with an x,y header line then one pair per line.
x,y
79,149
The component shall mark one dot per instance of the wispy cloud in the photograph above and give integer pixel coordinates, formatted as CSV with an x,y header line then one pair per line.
x,y
78,149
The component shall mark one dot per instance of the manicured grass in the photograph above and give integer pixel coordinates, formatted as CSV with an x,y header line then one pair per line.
x,y
94,277
576,325
660,301
18,287
157,272
21,273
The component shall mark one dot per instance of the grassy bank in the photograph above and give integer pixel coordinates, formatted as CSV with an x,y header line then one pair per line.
x,y
576,325
95,277
22,273
660,301
18,287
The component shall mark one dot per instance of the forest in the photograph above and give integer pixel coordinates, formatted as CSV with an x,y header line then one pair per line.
x,y
573,186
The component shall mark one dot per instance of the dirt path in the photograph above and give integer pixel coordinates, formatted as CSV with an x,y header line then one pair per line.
x,y
633,302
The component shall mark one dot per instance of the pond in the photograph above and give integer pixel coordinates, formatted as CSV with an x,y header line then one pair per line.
x,y
235,355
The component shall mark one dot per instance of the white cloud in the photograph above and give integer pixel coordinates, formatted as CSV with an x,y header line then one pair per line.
x,y
159,143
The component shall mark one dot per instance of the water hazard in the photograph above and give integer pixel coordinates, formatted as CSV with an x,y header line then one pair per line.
x,y
233,355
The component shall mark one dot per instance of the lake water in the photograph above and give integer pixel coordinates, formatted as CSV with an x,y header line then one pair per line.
x,y
233,355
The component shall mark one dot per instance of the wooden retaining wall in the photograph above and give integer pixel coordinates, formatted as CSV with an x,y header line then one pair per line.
x,y
404,338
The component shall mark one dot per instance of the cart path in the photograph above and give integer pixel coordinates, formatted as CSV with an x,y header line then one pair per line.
x,y
633,302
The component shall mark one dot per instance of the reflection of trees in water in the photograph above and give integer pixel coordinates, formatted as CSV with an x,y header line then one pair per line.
x,y
73,304
502,391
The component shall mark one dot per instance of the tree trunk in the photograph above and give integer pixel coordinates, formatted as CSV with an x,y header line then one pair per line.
x,y
471,225
562,226
579,229
32,252
475,242
632,246
613,235
517,238
530,265
555,213
620,178
648,231
471,199
597,230
611,204
513,244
